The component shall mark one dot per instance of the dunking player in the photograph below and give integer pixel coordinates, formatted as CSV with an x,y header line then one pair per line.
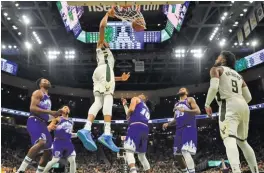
x,y
232,97
104,85
62,145
137,132
185,140
40,114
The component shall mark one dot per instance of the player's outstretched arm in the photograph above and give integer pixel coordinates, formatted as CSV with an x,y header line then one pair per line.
x,y
35,100
102,26
214,85
124,77
246,93
132,107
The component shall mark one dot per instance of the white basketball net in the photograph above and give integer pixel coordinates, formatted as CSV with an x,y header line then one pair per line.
x,y
127,13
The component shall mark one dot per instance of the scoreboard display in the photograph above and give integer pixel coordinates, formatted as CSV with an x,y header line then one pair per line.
x,y
119,35
152,36
8,66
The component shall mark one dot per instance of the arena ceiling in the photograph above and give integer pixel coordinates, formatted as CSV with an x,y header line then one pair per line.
x,y
162,68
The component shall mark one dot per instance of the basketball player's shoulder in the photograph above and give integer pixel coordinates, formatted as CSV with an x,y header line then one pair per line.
x,y
216,71
37,93
191,99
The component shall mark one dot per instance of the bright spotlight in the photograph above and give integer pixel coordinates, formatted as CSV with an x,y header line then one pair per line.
x,y
241,14
240,44
251,1
236,23
223,18
182,51
17,4
225,13
247,43
28,45
232,2
3,47
14,27
254,43
9,46
8,18
26,19
5,14
19,33
15,46
235,43
230,30
245,10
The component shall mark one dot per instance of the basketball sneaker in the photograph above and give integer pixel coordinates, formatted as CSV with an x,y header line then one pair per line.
x,y
86,137
107,141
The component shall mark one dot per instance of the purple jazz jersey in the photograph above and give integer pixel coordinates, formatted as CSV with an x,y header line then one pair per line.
x,y
186,132
140,114
137,138
62,145
37,124
137,132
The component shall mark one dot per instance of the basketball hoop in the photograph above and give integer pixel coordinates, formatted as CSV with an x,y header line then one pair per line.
x,y
130,14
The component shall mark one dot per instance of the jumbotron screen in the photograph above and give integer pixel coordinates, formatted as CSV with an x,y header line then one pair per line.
x,y
119,34
176,13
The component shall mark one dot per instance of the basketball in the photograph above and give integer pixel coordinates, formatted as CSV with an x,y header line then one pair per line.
x,y
136,26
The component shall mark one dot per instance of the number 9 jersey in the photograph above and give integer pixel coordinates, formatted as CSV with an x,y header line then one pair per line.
x,y
230,84
140,114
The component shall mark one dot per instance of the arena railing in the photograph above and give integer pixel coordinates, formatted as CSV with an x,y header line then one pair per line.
x,y
163,120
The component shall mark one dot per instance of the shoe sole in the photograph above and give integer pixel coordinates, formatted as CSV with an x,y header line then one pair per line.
x,y
105,144
88,145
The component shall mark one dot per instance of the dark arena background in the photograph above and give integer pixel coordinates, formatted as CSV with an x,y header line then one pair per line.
x,y
57,41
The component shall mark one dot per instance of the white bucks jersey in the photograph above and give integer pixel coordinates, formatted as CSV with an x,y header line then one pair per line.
x,y
103,56
230,84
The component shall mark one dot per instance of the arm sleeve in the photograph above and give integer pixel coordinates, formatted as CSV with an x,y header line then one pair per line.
x,y
246,94
126,109
214,84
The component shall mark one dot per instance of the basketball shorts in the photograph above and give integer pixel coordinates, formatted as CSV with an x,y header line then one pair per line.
x,y
37,130
185,139
137,138
63,148
234,118
101,85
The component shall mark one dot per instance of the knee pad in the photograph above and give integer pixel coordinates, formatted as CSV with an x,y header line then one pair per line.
x,y
108,104
97,105
144,161
130,158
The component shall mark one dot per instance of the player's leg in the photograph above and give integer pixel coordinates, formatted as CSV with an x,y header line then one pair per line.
x,y
177,151
242,134
130,158
38,133
71,155
72,162
57,150
141,149
106,137
85,133
228,124
189,140
144,162
44,160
